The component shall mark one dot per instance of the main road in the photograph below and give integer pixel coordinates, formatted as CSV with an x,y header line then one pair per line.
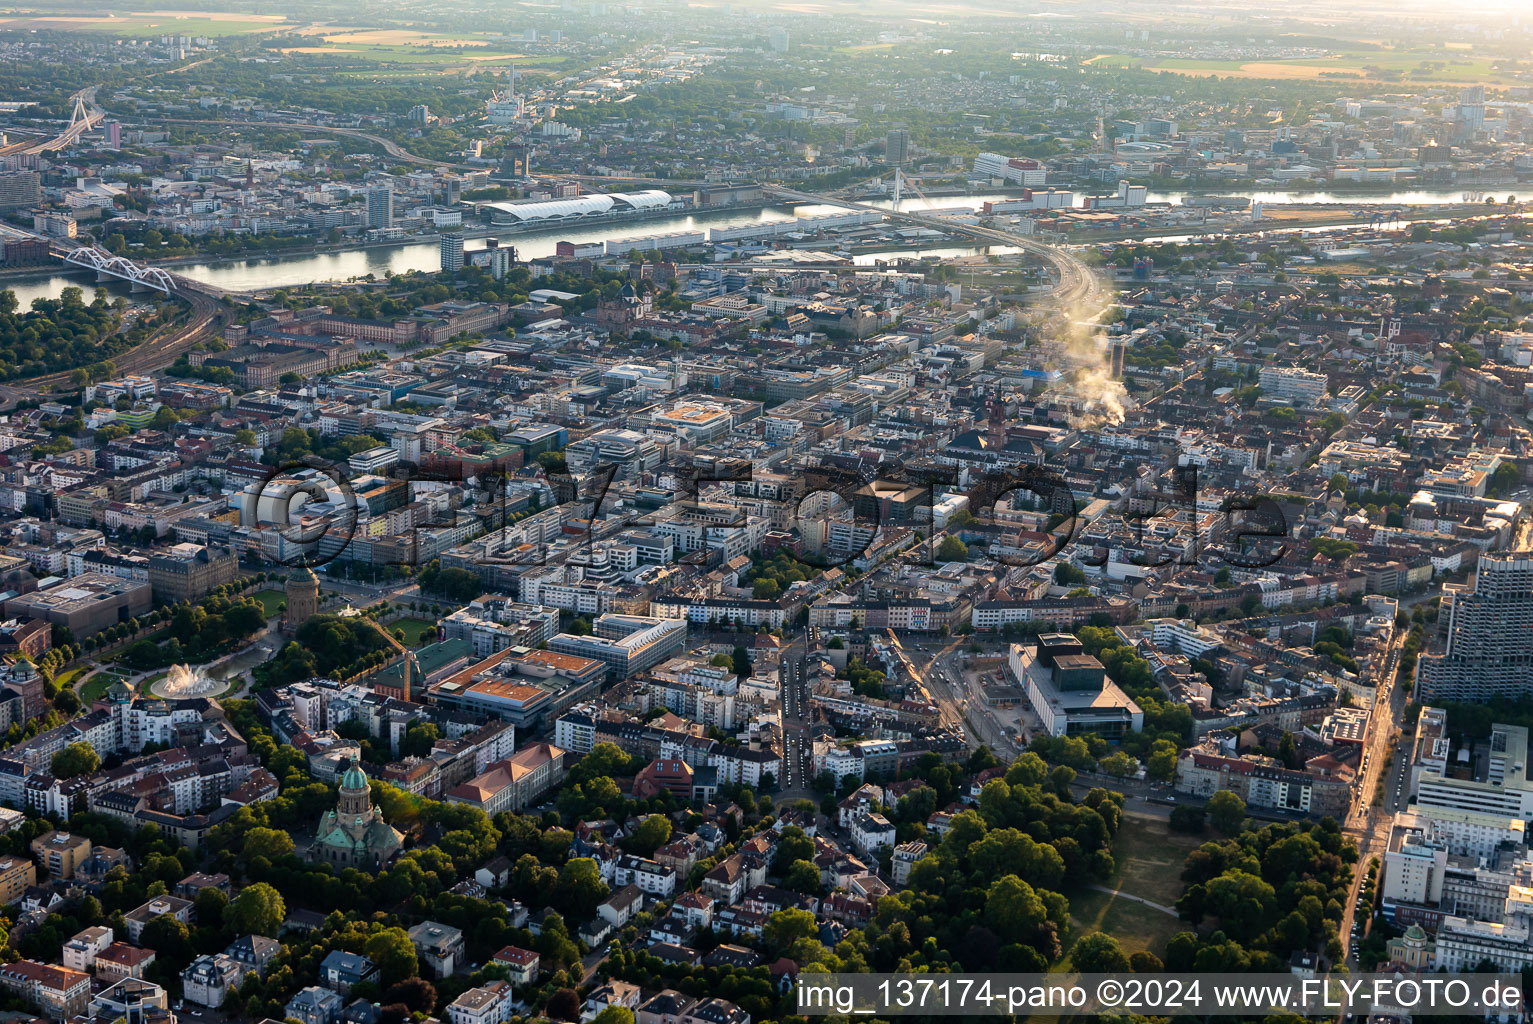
x,y
798,752
1385,765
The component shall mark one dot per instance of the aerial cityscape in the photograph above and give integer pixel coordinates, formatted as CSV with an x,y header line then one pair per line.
x,y
654,512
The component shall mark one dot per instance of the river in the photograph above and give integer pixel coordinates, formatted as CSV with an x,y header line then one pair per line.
x,y
286,271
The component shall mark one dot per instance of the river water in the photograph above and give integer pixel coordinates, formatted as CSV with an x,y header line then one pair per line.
x,y
286,271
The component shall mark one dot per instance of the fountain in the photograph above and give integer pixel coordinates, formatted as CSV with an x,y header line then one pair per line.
x,y
183,681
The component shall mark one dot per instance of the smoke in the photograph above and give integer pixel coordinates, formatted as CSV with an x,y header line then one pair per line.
x,y
1097,399
1100,401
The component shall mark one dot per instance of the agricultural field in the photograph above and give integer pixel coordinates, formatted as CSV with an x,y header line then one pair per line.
x,y
149,23
1445,67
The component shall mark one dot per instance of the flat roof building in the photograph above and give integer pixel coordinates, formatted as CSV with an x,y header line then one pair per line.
x,y
1069,690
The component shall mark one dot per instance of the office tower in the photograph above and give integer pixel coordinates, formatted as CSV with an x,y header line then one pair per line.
x,y
452,253
897,147
1471,108
1489,626
380,207
114,134
777,39
420,114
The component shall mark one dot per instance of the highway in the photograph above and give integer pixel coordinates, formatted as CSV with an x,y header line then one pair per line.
x,y
390,147
84,103
1076,287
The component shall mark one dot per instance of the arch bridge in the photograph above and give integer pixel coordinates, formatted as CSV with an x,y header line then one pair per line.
x,y
124,269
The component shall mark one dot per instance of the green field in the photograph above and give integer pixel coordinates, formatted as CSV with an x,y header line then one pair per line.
x,y
415,630
269,600
67,679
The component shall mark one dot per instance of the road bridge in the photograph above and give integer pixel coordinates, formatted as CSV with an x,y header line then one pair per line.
x,y
84,116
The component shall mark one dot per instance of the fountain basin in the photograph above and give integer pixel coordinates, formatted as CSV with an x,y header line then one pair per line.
x,y
183,681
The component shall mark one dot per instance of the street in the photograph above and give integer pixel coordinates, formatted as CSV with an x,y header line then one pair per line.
x,y
1382,764
798,753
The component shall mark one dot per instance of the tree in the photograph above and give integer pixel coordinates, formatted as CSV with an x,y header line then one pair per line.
x,y
614,1015
952,550
802,876
563,1004
270,843
394,953
653,832
416,993
794,845
169,938
785,927
257,910
1099,954
209,906
75,759
1067,575
1226,811
580,887
1120,764
1187,818
741,662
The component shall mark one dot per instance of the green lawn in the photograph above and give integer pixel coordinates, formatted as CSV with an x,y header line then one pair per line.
x,y
96,686
269,600
67,679
415,630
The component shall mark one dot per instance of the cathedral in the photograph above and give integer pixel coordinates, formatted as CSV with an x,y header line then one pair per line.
x,y
354,835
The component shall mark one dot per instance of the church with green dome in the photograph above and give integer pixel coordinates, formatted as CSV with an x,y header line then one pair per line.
x,y
354,835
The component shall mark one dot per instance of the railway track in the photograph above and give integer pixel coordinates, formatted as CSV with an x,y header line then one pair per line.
x,y
156,353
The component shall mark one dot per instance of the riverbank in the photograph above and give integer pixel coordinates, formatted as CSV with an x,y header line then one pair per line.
x,y
255,272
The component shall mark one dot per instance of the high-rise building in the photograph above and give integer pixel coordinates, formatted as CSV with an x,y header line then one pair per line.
x,y
380,207
777,39
420,114
897,146
19,189
114,134
452,253
1489,626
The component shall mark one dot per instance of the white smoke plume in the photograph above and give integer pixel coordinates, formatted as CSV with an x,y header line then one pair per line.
x,y
1099,399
